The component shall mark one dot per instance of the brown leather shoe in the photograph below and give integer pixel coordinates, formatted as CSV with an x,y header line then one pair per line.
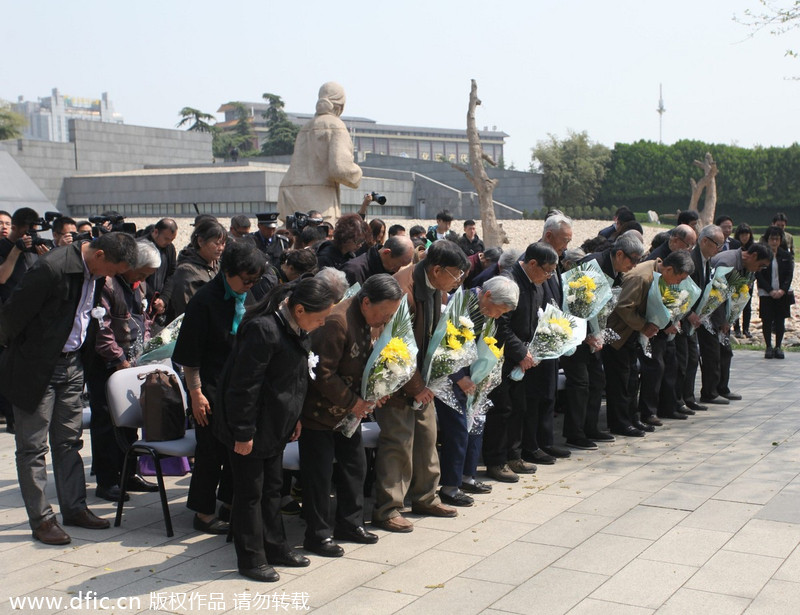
x,y
395,524
87,519
50,533
434,510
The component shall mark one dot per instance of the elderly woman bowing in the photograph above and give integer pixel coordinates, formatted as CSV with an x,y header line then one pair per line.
x,y
343,345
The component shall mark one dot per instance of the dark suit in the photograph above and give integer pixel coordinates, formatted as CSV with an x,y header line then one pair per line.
x,y
686,348
502,435
43,383
773,311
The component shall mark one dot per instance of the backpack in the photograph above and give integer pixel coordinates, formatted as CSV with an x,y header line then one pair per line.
x,y
163,412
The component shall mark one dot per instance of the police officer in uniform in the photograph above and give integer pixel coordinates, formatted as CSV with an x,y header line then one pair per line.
x,y
267,240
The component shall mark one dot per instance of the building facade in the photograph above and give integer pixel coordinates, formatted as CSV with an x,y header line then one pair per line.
x,y
48,118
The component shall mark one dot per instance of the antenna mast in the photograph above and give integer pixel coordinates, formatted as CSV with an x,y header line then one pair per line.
x,y
661,110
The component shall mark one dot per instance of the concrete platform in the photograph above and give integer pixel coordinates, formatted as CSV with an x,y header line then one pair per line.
x,y
702,516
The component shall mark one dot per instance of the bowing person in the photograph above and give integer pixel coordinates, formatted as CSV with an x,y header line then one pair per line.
x,y
262,389
343,344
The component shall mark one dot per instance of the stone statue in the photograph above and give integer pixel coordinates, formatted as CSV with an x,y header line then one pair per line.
x,y
322,159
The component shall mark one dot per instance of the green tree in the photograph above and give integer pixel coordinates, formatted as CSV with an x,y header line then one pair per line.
x,y
11,122
281,132
573,169
199,120
243,129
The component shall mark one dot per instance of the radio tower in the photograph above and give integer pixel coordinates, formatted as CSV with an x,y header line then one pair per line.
x,y
661,110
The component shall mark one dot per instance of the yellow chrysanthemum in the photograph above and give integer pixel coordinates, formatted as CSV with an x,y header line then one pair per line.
x,y
452,342
451,328
588,296
668,296
715,294
492,344
467,334
562,323
490,341
584,281
395,351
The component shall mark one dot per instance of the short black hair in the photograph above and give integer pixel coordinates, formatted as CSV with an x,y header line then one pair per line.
x,y
444,216
687,217
242,257
166,224
723,218
492,255
24,216
780,217
380,287
416,230
58,223
680,261
469,222
761,251
302,261
446,254
626,215
621,210
240,221
117,248
541,252
394,229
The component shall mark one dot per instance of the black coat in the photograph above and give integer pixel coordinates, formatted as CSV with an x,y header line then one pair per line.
x,y
470,247
361,267
785,273
205,339
36,322
262,386
328,255
661,252
604,259
515,329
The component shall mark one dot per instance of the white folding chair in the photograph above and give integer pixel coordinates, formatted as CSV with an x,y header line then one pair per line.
x,y
123,389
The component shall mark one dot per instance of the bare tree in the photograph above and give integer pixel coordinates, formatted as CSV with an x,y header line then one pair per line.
x,y
493,233
708,183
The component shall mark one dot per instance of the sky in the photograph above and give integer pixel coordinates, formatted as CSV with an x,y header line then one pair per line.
x,y
542,66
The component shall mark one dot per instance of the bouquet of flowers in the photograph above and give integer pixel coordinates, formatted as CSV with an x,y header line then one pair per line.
x,y
485,372
353,290
716,292
667,304
740,293
586,290
452,345
390,365
161,346
557,334
597,326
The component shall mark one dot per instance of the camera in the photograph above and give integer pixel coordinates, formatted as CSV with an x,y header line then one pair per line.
x,y
115,221
378,198
297,221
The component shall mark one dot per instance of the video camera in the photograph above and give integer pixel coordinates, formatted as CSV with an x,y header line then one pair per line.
x,y
297,221
39,226
378,198
107,223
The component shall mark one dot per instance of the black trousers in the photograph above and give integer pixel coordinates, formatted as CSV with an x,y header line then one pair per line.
x,y
688,358
318,449
773,318
256,514
540,405
584,392
657,378
715,363
212,479
502,432
107,456
617,365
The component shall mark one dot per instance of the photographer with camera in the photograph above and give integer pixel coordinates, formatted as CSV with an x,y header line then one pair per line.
x,y
19,251
65,231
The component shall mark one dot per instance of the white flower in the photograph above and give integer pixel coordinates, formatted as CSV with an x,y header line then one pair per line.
x,y
466,322
98,312
313,361
571,298
144,304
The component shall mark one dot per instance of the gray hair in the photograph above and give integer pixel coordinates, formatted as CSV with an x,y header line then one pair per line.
x,y
709,231
504,291
556,222
629,244
335,280
508,258
147,255
571,257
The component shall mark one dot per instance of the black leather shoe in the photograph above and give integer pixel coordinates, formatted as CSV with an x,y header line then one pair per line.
x,y
264,574
731,395
715,400
674,415
325,548
477,487
538,456
643,427
559,452
356,534
629,431
110,494
685,410
693,405
653,420
601,436
137,484
290,558
459,499
215,526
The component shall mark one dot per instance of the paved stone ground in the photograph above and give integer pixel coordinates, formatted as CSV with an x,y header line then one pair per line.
x,y
702,516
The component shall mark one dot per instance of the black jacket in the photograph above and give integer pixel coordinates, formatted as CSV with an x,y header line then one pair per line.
x,y
661,252
159,279
785,273
328,255
36,322
604,259
470,247
262,386
358,269
515,329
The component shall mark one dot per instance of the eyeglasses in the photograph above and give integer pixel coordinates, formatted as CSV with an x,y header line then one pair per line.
x,y
250,281
549,273
634,259
455,279
688,245
718,245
